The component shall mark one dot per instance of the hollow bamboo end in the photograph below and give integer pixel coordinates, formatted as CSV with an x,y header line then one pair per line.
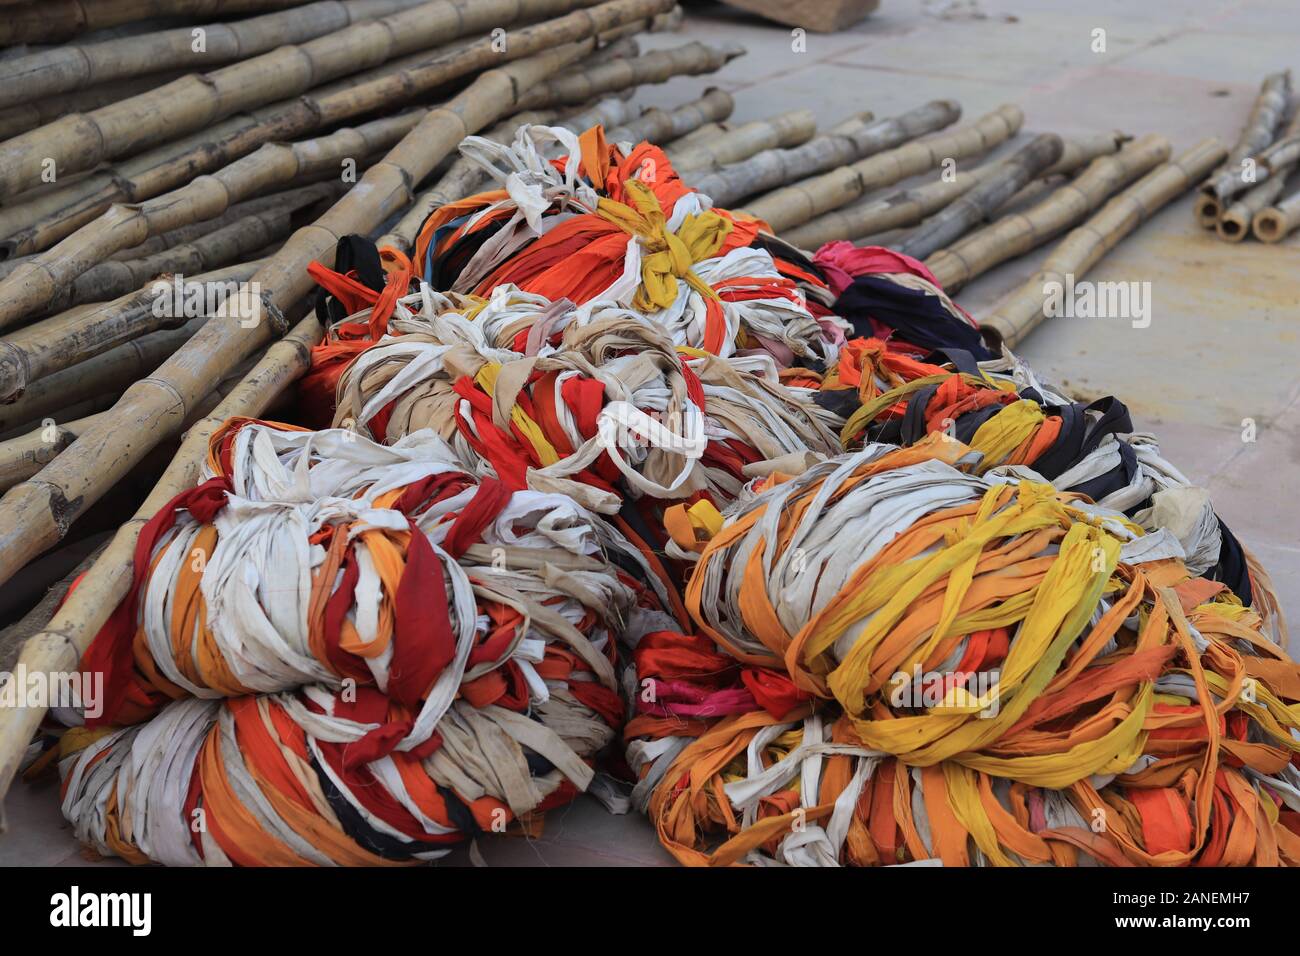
x,y
1207,211
1232,227
1269,226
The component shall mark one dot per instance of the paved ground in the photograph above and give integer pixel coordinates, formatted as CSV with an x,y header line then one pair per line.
x,y
1223,343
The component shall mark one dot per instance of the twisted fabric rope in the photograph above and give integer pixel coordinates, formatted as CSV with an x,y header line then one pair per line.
x,y
989,678
411,655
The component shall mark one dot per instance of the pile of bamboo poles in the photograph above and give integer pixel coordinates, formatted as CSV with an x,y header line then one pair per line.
x,y
1249,194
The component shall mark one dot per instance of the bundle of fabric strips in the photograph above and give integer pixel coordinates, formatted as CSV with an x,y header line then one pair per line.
x,y
1023,427
603,222
349,653
974,669
597,403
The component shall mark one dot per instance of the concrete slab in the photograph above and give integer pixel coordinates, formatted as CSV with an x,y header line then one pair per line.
x,y
1223,343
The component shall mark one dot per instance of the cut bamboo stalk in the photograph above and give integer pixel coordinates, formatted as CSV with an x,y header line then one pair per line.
x,y
1279,220
796,204
293,201
27,116
51,21
978,204
659,125
24,456
36,513
111,372
705,134
173,165
13,637
81,141
1017,234
657,66
848,143
1020,312
888,214
65,340
23,292
59,646
611,111
236,242
783,130
619,49
1237,174
72,66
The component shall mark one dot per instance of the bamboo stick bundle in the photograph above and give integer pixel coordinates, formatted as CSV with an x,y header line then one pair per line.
x,y
975,206
798,203
72,67
659,125
108,373
847,143
60,644
1230,183
1236,173
886,215
36,513
1235,223
64,340
1279,220
1018,233
780,131
274,165
1020,311
81,141
172,165
51,21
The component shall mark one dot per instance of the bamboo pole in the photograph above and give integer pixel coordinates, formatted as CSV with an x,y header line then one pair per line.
x,y
975,206
27,116
72,67
888,214
27,289
1279,220
705,134
1020,311
798,203
172,165
659,125
657,66
109,373
47,21
1237,173
1017,234
780,131
845,144
36,513
62,341
81,141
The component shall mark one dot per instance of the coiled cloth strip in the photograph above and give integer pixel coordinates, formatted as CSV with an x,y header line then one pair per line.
x,y
991,672
368,652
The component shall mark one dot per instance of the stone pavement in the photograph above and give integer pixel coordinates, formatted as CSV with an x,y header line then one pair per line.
x,y
1223,343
